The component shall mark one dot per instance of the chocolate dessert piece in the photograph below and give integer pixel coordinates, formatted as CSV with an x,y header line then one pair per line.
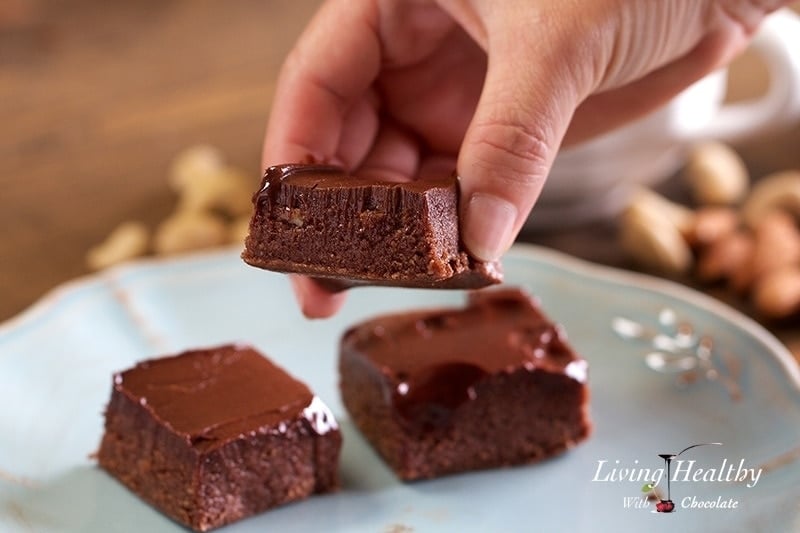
x,y
346,231
211,436
442,391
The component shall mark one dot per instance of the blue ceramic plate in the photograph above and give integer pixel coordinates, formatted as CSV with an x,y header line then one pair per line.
x,y
56,362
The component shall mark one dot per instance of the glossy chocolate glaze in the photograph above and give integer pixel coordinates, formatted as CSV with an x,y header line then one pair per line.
x,y
214,395
329,177
274,177
446,352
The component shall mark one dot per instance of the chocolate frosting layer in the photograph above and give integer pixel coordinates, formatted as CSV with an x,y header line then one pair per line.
x,y
277,178
499,330
435,358
217,394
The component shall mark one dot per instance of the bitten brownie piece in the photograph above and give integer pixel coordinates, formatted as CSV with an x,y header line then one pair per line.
x,y
347,231
448,390
212,436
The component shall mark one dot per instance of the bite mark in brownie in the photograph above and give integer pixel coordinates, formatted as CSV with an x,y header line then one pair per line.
x,y
212,436
448,390
347,231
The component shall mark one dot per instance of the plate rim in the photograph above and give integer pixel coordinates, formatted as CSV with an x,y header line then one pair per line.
x,y
671,288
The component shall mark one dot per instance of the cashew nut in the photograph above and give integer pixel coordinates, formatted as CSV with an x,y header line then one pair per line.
x,y
716,174
653,240
195,161
678,215
226,190
776,191
189,230
777,295
127,241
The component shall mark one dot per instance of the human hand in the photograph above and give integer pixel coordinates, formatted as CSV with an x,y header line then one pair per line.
x,y
410,89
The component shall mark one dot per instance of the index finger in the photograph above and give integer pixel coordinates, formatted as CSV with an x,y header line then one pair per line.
x,y
333,63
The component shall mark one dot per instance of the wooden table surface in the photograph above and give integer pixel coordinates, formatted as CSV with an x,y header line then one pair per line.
x,y
97,97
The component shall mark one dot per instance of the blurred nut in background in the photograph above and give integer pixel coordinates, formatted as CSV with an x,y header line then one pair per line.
x,y
189,230
777,244
225,190
724,258
747,238
127,241
677,215
653,240
710,224
716,174
213,208
193,163
777,295
779,191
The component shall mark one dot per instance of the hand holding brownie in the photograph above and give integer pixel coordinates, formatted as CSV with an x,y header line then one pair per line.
x,y
410,89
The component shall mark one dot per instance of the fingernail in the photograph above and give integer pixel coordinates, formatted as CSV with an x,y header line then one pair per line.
x,y
315,301
298,288
488,226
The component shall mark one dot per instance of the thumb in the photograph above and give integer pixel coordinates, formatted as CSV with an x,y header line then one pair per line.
x,y
523,112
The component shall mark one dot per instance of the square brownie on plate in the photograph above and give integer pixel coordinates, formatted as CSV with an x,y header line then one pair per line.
x,y
447,390
215,435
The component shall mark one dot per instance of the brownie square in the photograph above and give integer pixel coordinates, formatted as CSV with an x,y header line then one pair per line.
x,y
347,231
448,390
212,436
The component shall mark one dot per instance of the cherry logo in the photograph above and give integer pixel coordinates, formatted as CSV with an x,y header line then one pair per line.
x,y
665,506
668,506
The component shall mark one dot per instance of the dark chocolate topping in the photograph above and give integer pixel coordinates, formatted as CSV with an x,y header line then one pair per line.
x,y
280,183
217,394
274,176
436,357
434,393
503,322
